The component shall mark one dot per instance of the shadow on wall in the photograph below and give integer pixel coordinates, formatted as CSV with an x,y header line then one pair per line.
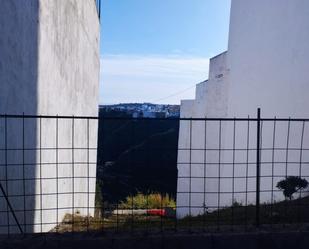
x,y
18,94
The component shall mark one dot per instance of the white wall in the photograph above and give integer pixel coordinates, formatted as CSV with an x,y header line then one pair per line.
x,y
210,101
54,71
265,66
268,58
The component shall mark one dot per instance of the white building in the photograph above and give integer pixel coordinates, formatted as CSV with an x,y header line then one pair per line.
x,y
49,65
265,66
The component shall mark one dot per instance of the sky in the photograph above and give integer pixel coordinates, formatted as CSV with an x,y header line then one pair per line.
x,y
157,50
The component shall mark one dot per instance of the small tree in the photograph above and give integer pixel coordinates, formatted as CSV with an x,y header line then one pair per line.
x,y
291,185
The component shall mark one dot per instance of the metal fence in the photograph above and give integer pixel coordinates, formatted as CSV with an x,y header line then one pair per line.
x,y
152,175
241,173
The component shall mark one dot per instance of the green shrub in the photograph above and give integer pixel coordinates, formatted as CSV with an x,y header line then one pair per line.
x,y
149,201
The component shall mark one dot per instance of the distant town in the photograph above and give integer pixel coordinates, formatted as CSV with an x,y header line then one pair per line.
x,y
143,110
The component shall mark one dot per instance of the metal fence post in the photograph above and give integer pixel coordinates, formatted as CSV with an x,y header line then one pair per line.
x,y
258,164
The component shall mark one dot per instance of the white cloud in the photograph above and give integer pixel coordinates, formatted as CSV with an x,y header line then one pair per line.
x,y
127,78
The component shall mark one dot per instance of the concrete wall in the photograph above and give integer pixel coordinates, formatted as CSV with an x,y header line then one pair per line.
x,y
268,56
50,67
18,94
265,66
19,56
68,57
199,139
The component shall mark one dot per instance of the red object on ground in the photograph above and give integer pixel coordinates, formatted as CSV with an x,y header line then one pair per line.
x,y
158,212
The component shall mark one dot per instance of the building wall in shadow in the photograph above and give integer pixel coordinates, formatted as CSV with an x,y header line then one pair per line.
x,y
18,95
49,65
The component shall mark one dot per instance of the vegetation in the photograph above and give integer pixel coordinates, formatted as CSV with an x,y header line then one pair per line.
x,y
291,185
136,155
292,214
149,201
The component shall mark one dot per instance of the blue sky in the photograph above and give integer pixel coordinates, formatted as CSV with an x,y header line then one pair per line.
x,y
151,49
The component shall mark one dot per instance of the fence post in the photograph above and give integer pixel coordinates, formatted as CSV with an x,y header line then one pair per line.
x,y
258,164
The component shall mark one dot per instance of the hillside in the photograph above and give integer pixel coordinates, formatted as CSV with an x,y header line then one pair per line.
x,y
136,155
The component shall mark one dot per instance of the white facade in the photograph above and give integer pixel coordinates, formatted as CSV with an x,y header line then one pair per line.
x,y
49,65
210,101
265,67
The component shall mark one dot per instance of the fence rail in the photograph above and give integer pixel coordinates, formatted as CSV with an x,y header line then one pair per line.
x,y
58,174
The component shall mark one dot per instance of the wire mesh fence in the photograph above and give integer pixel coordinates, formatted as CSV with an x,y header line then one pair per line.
x,y
59,174
240,174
